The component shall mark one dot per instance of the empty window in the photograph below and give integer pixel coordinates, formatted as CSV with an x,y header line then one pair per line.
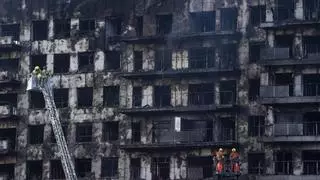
x,y
9,64
162,96
111,96
257,15
112,61
61,29
136,135
137,96
284,10
86,61
35,134
311,85
36,100
34,169
229,19
203,21
228,56
8,135
56,171
256,126
40,30
311,162
228,92
114,26
160,168
85,96
283,163
286,81
254,89
201,94
139,25
87,26
284,41
164,24
84,132
227,129
7,170
109,167
111,131
163,59
201,58
61,97
61,63
254,51
83,167
9,99
256,163
311,9
65,133
199,167
38,60
12,30
138,61
135,166
311,124
311,46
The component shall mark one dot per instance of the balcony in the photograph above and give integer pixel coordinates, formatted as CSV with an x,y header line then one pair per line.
x,y
8,43
295,132
7,111
190,138
6,147
8,78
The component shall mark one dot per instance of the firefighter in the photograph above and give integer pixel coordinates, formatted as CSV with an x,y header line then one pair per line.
x,y
235,161
219,159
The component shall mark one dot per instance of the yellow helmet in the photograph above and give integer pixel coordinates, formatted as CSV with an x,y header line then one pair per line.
x,y
234,150
220,149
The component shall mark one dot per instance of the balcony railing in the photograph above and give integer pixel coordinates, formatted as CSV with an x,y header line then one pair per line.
x,y
297,129
283,167
7,110
311,89
275,53
200,98
276,91
311,167
227,97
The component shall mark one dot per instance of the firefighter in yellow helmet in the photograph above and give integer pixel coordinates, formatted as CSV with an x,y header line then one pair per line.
x,y
235,161
219,161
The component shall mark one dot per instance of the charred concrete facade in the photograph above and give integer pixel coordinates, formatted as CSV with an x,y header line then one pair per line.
x,y
149,89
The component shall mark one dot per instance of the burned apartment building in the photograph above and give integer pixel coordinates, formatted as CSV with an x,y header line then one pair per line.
x,y
151,89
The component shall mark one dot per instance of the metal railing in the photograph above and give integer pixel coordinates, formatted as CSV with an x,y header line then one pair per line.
x,y
200,98
275,53
311,50
276,91
283,167
201,62
311,89
297,129
227,97
311,167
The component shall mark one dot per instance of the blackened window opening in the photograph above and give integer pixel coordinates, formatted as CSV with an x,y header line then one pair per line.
x,y
109,167
135,166
284,163
114,26
12,30
9,99
86,61
311,10
203,21
85,97
138,60
7,170
255,51
9,65
311,162
34,169
199,167
229,19
64,127
200,130
35,134
257,15
311,85
201,58
87,27
163,60
228,56
56,171
139,25
38,60
162,96
284,10
311,124
83,167
164,24
111,131
311,47
160,168
256,126
227,129
84,132
62,29
137,96
285,79
285,41
9,135
201,94
228,91
256,163
61,63
40,30
61,97
254,89
112,61
136,135
111,96
37,100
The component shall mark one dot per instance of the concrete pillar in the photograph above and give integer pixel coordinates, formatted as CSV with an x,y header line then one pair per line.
x,y
180,59
25,34
46,169
217,93
148,62
146,168
146,131
298,11
174,169
99,61
50,62
269,121
73,99
20,170
50,28
269,160
298,90
218,23
96,167
73,62
297,162
270,4
97,97
271,38
298,45
147,95
264,79
124,166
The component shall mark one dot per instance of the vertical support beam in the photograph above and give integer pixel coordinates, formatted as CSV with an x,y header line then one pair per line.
x,y
297,162
269,163
270,10
298,45
298,90
298,10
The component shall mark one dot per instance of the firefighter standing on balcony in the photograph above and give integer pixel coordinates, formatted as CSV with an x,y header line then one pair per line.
x,y
219,157
235,161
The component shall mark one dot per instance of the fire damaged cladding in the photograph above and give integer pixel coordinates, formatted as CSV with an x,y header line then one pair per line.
x,y
151,89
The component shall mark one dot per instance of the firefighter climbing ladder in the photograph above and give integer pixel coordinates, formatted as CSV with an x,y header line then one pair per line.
x,y
40,80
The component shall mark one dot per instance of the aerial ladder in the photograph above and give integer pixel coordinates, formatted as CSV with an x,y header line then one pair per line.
x,y
40,80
